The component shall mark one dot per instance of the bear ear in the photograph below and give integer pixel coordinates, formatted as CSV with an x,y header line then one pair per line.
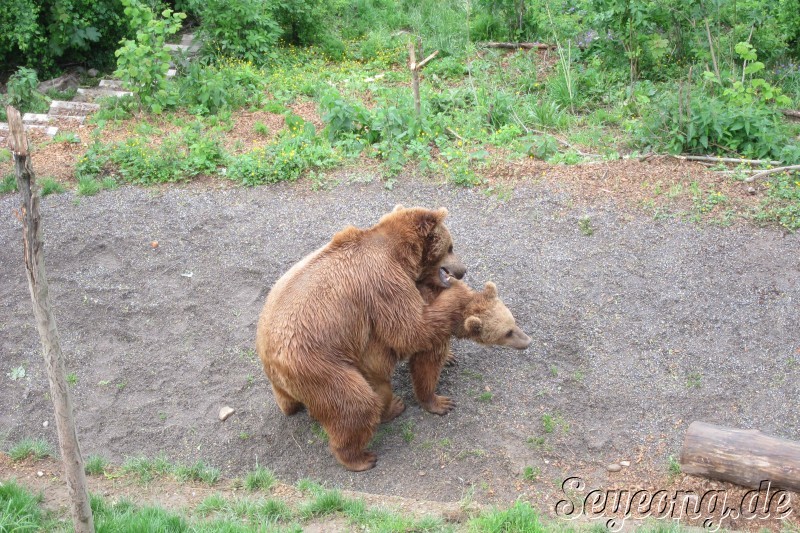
x,y
490,290
442,211
398,207
473,325
427,220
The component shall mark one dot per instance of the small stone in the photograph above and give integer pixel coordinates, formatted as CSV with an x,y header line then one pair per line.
x,y
625,463
93,72
40,473
421,472
45,424
226,412
613,467
751,190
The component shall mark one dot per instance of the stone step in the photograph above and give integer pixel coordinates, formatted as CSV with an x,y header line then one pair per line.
x,y
89,95
50,131
36,118
115,85
71,110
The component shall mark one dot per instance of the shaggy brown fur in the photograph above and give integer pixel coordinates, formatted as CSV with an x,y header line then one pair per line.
x,y
359,289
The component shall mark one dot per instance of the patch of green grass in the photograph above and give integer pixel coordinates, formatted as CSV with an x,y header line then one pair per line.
x,y
212,504
673,467
325,503
259,479
95,465
585,225
261,128
19,508
531,473
199,471
36,448
318,432
407,430
310,486
694,380
472,375
146,469
520,518
17,373
50,186
72,379
782,205
551,422
9,184
89,186
126,516
66,136
485,396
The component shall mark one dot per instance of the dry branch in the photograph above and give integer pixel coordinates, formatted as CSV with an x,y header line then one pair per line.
x,y
744,457
764,173
713,159
33,248
517,46
791,113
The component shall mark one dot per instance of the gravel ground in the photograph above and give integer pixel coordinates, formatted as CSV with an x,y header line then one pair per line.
x,y
638,330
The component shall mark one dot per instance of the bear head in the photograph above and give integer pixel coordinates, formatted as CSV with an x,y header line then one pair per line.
x,y
488,321
438,263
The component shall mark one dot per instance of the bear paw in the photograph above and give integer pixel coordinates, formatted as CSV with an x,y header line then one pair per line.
x,y
440,405
393,410
357,462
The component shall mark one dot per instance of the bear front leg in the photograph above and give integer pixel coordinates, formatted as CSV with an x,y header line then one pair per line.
x,y
425,368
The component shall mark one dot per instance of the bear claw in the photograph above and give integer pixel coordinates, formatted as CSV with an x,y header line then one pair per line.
x,y
440,405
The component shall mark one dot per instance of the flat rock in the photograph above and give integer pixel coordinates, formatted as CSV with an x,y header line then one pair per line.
x,y
613,467
226,412
625,463
35,118
62,83
63,108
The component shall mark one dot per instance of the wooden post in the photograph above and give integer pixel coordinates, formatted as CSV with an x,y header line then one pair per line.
x,y
415,68
744,457
46,324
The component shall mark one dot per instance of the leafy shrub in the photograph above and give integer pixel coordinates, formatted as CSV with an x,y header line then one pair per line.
x,y
244,29
43,33
228,84
22,92
296,150
143,62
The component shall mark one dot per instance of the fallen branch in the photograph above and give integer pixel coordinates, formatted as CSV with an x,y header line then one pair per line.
x,y
764,173
713,159
791,113
452,132
517,46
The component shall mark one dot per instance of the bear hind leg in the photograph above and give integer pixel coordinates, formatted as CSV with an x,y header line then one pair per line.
x,y
287,404
350,418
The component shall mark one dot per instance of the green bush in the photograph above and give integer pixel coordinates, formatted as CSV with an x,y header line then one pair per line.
x,y
228,84
42,34
143,62
22,92
244,29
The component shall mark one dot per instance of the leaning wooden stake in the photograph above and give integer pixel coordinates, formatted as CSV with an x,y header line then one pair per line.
x,y
415,68
744,457
46,324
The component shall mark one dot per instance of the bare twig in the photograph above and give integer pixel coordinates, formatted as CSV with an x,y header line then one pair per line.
x,y
764,173
712,159
791,113
713,55
452,132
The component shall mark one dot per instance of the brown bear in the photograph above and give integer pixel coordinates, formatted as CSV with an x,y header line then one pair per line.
x,y
321,315
485,319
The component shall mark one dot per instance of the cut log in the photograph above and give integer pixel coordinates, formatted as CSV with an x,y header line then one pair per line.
x,y
744,457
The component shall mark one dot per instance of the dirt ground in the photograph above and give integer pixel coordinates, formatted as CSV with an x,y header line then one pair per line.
x,y
638,330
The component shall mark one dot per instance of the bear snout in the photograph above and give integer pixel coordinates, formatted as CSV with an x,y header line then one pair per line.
x,y
519,340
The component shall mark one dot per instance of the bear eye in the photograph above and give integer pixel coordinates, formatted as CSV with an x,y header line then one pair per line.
x,y
510,333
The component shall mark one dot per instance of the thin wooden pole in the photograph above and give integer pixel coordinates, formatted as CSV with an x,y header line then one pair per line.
x,y
46,324
415,68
